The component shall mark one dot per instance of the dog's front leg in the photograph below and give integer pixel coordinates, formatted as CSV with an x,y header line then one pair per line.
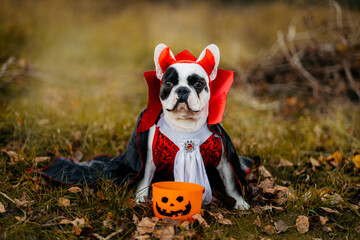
x,y
228,178
142,188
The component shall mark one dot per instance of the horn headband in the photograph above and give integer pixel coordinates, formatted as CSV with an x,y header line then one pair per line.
x,y
166,60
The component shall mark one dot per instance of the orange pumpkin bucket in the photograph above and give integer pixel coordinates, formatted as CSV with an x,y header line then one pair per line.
x,y
176,200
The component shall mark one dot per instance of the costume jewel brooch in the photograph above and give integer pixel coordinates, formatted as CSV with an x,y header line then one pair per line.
x,y
189,146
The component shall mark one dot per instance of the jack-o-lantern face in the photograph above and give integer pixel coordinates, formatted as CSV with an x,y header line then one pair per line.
x,y
173,207
176,200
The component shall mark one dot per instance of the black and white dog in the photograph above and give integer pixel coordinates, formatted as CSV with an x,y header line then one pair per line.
x,y
184,95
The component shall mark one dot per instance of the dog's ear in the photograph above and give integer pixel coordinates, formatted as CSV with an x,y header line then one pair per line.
x,y
163,58
209,60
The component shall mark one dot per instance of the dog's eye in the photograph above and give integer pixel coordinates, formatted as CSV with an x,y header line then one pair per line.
x,y
169,84
198,84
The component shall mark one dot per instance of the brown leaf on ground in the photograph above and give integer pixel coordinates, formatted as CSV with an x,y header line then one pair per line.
x,y
75,190
269,229
225,221
281,226
271,208
257,209
40,159
80,222
281,201
264,172
201,220
168,233
64,202
332,199
302,170
65,221
140,237
302,224
284,163
2,208
20,219
314,163
135,219
107,223
266,184
323,220
329,210
257,221
146,225
14,156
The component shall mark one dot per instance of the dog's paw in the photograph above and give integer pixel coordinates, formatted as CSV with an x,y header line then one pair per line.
x,y
140,199
242,205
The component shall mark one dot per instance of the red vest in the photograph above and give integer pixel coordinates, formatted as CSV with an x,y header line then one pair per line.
x,y
164,152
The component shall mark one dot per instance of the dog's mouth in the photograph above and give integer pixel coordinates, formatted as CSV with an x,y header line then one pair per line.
x,y
181,106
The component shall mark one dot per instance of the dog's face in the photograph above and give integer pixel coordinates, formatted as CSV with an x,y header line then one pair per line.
x,y
185,85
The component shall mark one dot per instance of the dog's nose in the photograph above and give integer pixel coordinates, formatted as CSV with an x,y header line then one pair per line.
x,y
183,94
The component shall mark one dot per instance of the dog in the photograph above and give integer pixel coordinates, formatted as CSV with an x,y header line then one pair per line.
x,y
184,95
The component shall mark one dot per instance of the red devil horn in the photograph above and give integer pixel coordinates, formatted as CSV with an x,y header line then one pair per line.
x,y
207,62
165,59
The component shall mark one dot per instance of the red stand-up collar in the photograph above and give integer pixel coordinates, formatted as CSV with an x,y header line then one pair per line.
x,y
219,89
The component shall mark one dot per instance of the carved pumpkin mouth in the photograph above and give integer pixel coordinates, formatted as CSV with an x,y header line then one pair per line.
x,y
174,213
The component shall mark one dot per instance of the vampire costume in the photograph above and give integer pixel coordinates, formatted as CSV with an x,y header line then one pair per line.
x,y
128,168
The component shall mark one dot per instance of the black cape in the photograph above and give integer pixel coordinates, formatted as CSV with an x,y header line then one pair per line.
x,y
128,168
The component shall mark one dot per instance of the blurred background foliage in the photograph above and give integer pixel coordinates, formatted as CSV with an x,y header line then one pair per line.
x,y
78,65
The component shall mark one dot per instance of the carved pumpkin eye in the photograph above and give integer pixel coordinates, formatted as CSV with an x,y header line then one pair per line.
x,y
179,199
164,199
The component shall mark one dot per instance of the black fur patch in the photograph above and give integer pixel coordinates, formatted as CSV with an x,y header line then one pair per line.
x,y
198,83
170,79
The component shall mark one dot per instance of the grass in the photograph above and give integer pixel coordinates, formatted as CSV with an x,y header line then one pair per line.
x,y
85,89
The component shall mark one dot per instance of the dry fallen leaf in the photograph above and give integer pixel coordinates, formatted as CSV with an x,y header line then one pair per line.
x,y
80,222
329,210
284,163
264,172
332,199
269,229
20,219
64,202
65,221
302,224
135,219
168,233
314,163
200,219
266,184
323,220
40,159
75,190
140,237
356,160
2,208
146,225
281,226
14,156
257,221
257,209
107,223
225,221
